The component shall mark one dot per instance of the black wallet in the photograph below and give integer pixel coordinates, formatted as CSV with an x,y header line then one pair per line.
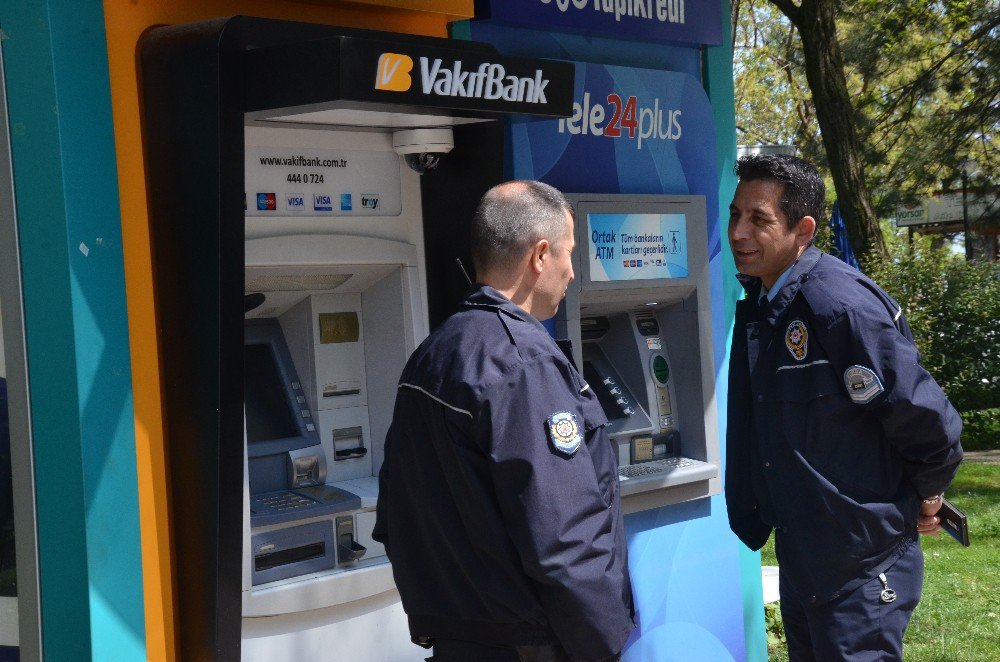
x,y
954,522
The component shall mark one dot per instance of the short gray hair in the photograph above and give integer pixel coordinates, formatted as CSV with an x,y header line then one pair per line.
x,y
511,218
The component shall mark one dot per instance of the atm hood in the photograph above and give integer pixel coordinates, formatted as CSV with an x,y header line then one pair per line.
x,y
314,74
200,85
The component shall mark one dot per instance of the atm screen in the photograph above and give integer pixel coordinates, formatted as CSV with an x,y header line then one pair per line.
x,y
604,396
268,413
633,246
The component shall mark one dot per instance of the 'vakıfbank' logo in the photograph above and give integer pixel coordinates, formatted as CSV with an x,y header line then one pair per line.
x,y
488,81
393,72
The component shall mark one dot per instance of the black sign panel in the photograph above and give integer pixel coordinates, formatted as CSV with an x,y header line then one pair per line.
x,y
414,74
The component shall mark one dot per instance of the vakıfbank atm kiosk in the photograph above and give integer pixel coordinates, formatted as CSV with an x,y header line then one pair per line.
x,y
639,319
288,224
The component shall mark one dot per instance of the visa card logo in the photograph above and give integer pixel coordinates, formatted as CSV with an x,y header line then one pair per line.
x,y
393,72
322,202
295,201
266,202
345,202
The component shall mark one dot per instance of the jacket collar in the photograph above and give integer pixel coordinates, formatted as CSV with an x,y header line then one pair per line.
x,y
798,275
484,296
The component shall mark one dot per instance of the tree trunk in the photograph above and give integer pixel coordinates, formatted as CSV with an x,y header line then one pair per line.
x,y
824,63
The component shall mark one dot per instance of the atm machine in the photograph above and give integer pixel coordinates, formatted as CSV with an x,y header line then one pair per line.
x,y
288,227
639,321
335,303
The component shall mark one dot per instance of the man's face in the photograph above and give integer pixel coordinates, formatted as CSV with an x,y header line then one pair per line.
x,y
762,243
556,277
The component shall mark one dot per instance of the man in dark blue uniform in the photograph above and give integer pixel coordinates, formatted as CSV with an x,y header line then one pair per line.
x,y
837,438
498,497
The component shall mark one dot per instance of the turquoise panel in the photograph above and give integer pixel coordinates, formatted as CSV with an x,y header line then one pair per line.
x,y
65,183
719,86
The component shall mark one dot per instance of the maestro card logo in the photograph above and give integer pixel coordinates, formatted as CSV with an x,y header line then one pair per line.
x,y
266,202
393,72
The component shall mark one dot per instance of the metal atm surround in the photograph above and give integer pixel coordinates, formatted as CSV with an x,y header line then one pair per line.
x,y
682,314
199,83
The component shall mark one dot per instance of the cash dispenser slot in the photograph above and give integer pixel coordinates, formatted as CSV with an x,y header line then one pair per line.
x,y
348,443
291,552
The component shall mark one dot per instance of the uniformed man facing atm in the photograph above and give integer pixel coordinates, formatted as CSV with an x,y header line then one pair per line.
x,y
498,497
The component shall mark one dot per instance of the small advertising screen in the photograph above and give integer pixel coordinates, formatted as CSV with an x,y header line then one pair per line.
x,y
637,246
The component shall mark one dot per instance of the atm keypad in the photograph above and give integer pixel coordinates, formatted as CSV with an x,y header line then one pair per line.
x,y
286,501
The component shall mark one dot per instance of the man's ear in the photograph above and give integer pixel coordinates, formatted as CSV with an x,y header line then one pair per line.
x,y
540,253
805,231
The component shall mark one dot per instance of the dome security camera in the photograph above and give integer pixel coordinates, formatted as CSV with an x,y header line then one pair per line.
x,y
422,148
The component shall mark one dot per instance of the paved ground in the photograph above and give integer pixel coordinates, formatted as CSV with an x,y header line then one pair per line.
x,y
986,457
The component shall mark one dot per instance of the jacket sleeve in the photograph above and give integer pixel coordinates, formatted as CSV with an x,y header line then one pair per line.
x,y
557,509
878,363
741,503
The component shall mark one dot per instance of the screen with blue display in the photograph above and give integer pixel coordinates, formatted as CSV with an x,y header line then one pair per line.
x,y
637,246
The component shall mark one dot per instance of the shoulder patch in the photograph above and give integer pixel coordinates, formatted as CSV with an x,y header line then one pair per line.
x,y
797,340
564,432
862,384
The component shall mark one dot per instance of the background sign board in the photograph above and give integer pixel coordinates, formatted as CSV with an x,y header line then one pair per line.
x,y
947,208
321,182
637,246
636,131
683,21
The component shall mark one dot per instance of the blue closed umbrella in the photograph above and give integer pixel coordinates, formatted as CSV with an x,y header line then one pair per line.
x,y
841,246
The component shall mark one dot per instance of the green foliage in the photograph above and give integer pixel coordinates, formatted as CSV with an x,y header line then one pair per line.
x,y
923,83
925,90
981,430
953,308
775,630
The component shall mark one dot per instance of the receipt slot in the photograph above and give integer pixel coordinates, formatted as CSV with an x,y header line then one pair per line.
x,y
639,320
288,217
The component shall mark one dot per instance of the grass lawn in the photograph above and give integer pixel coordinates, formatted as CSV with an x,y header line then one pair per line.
x,y
959,614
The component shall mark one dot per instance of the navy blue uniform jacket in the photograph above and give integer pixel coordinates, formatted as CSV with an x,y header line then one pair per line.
x,y
494,534
835,431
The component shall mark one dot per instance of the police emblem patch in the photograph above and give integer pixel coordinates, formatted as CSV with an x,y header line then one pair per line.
x,y
797,340
862,384
564,432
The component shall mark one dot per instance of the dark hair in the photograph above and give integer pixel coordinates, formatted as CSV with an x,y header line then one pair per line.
x,y
804,193
511,217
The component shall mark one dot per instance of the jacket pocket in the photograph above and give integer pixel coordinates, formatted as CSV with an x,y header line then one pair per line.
x,y
839,439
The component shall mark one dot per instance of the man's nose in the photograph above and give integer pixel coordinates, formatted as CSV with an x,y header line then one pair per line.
x,y
739,228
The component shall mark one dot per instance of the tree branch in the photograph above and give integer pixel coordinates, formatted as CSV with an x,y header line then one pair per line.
x,y
789,9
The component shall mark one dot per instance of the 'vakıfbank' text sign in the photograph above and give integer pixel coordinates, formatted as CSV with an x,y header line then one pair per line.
x,y
684,21
637,246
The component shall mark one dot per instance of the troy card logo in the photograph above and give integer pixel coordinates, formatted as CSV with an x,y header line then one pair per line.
x,y
369,200
393,72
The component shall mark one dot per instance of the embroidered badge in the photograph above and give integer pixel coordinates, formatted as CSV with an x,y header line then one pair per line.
x,y
797,340
862,384
564,432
